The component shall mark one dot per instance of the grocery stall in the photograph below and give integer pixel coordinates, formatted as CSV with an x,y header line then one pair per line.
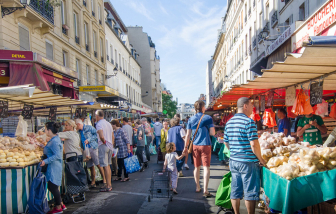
x,y
24,109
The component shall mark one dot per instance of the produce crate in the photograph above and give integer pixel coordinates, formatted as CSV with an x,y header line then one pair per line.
x,y
327,207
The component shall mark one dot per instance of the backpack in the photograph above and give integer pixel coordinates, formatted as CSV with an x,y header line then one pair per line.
x,y
38,202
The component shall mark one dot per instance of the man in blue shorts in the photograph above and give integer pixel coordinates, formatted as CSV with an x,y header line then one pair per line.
x,y
241,138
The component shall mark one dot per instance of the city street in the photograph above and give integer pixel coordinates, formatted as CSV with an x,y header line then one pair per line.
x,y
131,197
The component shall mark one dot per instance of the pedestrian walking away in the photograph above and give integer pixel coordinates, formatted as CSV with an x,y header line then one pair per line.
x,y
140,143
129,130
200,127
164,138
123,145
170,164
241,138
176,135
105,147
89,138
54,153
149,134
157,132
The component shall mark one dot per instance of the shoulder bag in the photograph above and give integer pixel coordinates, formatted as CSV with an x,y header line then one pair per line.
x,y
191,143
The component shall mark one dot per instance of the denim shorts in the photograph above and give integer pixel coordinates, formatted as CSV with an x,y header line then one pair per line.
x,y
245,180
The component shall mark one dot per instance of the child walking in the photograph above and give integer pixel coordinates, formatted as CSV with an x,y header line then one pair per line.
x,y
170,163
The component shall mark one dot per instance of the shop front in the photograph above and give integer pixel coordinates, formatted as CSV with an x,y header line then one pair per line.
x,y
26,67
322,23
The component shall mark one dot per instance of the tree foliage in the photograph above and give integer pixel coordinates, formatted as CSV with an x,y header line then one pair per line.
x,y
169,105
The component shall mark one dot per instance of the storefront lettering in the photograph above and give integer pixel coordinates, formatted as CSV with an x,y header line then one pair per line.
x,y
280,40
18,56
2,73
316,24
58,81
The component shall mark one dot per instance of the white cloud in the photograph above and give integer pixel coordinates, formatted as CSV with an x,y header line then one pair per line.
x,y
140,8
163,9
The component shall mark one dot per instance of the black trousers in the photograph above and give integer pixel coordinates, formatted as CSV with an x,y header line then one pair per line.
x,y
53,188
121,167
139,151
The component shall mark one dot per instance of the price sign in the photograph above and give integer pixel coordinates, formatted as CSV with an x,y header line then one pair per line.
x,y
83,114
78,113
3,109
27,112
52,113
316,92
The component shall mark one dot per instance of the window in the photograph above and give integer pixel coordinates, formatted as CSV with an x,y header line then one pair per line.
x,y
116,56
63,13
76,24
65,58
92,7
260,21
77,69
24,38
267,12
102,79
101,47
123,61
106,48
119,60
302,12
99,16
111,50
49,50
87,75
96,77
94,41
86,34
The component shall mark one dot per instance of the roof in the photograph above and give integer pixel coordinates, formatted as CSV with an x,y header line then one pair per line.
x,y
108,5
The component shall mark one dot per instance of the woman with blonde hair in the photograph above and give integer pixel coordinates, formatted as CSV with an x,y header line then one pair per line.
x,y
71,141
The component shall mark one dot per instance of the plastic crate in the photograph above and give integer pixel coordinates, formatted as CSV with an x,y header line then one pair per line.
x,y
8,134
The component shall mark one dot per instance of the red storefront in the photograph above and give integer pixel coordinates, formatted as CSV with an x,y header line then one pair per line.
x,y
26,67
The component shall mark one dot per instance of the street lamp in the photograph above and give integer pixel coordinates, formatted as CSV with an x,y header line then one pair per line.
x,y
115,72
8,10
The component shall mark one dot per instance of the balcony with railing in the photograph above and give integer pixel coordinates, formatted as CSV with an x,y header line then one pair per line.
x,y
274,19
87,47
95,54
84,3
260,38
102,59
77,39
93,13
44,8
266,27
64,30
249,12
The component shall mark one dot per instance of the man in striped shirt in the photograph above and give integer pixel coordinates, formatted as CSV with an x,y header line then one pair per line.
x,y
241,138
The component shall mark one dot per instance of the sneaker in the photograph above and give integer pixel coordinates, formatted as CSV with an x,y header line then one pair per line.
x,y
186,166
180,174
63,207
55,211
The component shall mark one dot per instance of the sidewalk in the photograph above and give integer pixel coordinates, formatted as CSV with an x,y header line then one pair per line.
x,y
131,197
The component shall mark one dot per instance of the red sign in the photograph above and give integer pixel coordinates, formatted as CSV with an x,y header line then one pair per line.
x,y
4,70
16,55
58,81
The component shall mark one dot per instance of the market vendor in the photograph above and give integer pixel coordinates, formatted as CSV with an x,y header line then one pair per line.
x,y
311,127
284,123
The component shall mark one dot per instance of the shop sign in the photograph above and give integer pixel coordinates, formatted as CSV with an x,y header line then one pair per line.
x,y
146,110
280,40
98,88
320,21
54,65
16,55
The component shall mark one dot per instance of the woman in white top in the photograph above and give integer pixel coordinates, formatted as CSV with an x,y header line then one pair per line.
x,y
71,141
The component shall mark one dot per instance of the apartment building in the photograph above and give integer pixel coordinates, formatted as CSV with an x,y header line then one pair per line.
x,y
253,35
123,69
185,110
67,40
150,67
209,92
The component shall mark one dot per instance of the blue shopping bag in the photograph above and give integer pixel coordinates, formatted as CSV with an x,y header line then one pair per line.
x,y
152,150
132,163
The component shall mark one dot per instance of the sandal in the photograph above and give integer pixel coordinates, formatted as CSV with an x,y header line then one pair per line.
x,y
175,192
93,185
117,179
207,195
106,189
104,186
126,179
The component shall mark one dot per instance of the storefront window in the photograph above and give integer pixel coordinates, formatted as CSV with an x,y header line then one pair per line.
x,y
24,38
49,50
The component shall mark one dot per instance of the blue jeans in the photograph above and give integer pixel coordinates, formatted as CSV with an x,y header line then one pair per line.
x,y
158,141
245,180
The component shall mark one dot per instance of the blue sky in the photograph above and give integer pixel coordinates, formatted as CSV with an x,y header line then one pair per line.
x,y
185,35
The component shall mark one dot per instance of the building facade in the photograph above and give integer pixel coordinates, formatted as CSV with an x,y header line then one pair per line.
x,y
253,35
120,55
185,110
70,34
150,67
209,83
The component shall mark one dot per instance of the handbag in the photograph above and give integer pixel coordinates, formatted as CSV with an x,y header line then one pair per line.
x,y
45,167
191,143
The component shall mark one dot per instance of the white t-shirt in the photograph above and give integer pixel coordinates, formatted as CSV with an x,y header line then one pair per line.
x,y
182,133
107,132
171,160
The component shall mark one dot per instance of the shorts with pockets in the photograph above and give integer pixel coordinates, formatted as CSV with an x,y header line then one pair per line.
x,y
105,155
201,155
245,180
94,161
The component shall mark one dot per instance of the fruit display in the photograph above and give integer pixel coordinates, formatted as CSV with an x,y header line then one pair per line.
x,y
289,159
18,157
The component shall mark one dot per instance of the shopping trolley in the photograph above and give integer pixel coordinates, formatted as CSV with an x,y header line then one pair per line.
x,y
160,185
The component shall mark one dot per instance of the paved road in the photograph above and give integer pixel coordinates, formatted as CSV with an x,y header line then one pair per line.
x,y
131,197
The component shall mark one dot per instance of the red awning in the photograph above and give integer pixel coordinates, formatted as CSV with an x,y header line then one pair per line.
x,y
58,81
23,73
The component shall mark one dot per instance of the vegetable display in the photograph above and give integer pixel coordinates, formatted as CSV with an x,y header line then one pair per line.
x,y
289,159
